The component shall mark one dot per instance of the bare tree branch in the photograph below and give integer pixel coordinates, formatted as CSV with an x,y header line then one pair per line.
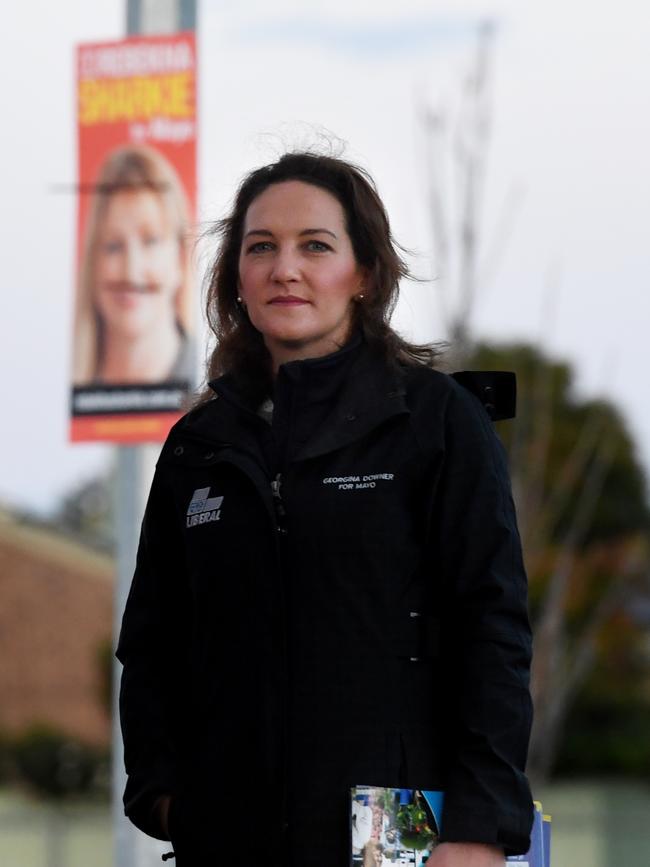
x,y
562,490
574,669
490,262
433,124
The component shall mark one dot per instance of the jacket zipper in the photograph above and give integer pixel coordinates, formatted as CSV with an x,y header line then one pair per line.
x,y
281,526
280,511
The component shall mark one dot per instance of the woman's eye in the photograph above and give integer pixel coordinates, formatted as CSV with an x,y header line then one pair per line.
x,y
318,246
112,247
260,247
151,240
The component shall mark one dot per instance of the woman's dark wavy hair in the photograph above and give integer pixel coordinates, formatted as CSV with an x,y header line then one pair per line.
x,y
239,346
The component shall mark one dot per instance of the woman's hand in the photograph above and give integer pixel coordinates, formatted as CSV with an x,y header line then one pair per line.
x,y
466,855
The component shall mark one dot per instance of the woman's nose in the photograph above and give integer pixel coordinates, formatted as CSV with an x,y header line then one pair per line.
x,y
286,266
134,263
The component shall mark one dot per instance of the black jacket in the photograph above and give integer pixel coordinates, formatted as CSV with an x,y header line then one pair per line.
x,y
335,600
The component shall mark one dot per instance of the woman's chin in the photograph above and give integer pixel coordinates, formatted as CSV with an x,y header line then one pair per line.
x,y
131,327
292,340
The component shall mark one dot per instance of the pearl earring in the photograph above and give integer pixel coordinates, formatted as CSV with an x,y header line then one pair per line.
x,y
239,299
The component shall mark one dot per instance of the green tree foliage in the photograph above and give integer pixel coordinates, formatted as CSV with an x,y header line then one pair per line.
x,y
608,727
584,519
54,764
85,513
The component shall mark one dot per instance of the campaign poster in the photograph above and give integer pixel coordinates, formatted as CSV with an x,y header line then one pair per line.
x,y
134,345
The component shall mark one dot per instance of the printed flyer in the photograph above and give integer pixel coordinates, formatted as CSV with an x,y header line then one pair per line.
x,y
133,341
394,826
390,827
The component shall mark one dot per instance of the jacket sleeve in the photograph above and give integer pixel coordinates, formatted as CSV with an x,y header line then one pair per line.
x,y
152,651
486,638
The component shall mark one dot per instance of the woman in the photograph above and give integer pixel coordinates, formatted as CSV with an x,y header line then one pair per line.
x,y
132,309
329,589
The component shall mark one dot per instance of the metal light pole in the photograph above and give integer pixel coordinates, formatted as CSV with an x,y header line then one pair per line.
x,y
135,465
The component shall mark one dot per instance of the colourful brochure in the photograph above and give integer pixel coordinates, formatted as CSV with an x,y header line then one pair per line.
x,y
394,826
391,827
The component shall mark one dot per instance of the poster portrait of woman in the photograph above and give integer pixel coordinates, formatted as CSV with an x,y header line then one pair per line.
x,y
132,323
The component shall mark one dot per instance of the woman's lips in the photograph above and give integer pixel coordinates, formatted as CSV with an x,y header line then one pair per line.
x,y
128,296
120,287
288,300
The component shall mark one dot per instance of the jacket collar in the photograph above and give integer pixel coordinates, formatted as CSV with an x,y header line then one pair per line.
x,y
372,393
316,379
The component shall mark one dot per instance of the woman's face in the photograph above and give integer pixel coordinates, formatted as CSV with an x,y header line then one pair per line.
x,y
138,268
297,269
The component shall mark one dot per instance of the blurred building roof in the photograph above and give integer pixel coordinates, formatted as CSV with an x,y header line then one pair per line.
x,y
55,617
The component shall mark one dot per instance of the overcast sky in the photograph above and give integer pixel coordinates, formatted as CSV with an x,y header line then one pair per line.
x,y
569,147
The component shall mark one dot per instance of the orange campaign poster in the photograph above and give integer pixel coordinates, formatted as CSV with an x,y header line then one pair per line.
x,y
133,354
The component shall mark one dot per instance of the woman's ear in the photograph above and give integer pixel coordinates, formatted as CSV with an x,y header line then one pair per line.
x,y
363,288
238,298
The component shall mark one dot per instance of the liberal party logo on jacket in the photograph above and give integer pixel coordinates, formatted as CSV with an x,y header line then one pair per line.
x,y
203,508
